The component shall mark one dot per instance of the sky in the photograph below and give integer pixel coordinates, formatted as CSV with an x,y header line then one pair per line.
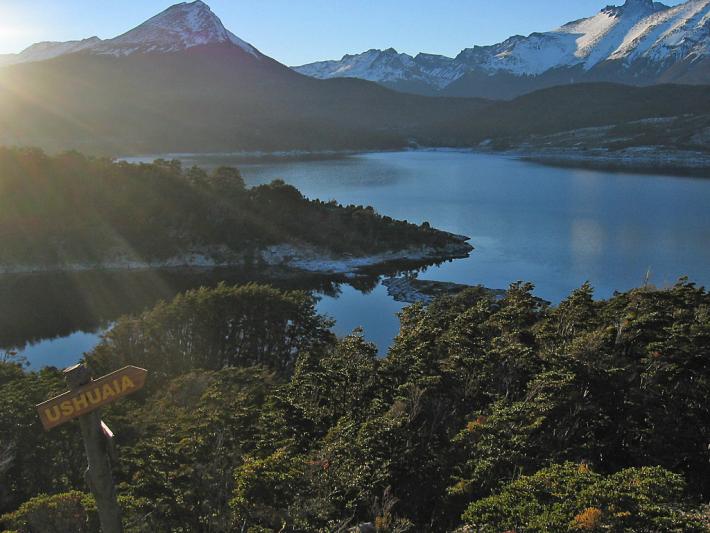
x,y
301,31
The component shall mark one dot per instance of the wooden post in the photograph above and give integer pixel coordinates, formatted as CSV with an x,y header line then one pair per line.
x,y
98,474
83,401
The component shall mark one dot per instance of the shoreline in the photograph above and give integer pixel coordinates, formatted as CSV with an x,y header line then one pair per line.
x,y
256,156
635,160
641,159
297,258
413,290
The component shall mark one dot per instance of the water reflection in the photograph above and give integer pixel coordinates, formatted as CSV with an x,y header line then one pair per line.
x,y
586,239
53,318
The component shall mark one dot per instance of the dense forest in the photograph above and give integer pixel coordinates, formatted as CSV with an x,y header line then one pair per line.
x,y
487,414
70,208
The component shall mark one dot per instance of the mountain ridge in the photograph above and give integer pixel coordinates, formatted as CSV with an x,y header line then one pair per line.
x,y
639,43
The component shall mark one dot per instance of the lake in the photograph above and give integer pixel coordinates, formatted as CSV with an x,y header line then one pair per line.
x,y
555,227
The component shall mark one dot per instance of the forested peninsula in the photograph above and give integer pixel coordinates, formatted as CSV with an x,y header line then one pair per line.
x,y
70,212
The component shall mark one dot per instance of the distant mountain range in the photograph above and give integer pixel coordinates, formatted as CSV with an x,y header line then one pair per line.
x,y
182,82
640,43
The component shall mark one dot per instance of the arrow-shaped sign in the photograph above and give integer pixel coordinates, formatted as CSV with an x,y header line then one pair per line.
x,y
93,395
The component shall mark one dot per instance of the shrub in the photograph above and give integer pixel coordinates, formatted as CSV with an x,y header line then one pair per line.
x,y
60,513
568,496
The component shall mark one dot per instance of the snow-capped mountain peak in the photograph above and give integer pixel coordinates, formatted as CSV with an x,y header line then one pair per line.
x,y
179,27
599,36
679,32
384,64
636,42
644,6
388,66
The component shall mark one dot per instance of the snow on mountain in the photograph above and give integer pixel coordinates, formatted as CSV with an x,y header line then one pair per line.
x,y
179,27
520,55
601,35
585,42
676,33
441,70
387,66
638,29
48,50
638,32
374,65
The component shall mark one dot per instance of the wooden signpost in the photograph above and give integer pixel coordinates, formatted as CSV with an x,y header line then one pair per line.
x,y
82,401
91,395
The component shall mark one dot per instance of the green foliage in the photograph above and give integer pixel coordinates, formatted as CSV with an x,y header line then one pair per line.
x,y
32,462
509,439
69,511
228,182
326,387
476,392
326,398
570,497
213,328
513,414
192,435
266,489
622,380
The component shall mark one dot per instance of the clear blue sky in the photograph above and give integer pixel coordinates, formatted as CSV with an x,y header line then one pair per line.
x,y
301,31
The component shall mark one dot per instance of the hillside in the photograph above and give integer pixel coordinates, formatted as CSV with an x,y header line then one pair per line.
x,y
591,104
538,117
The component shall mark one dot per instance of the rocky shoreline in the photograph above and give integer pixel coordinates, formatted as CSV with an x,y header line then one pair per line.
x,y
297,258
412,290
409,289
637,159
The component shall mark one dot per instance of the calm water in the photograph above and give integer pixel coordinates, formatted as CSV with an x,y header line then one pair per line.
x,y
556,227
